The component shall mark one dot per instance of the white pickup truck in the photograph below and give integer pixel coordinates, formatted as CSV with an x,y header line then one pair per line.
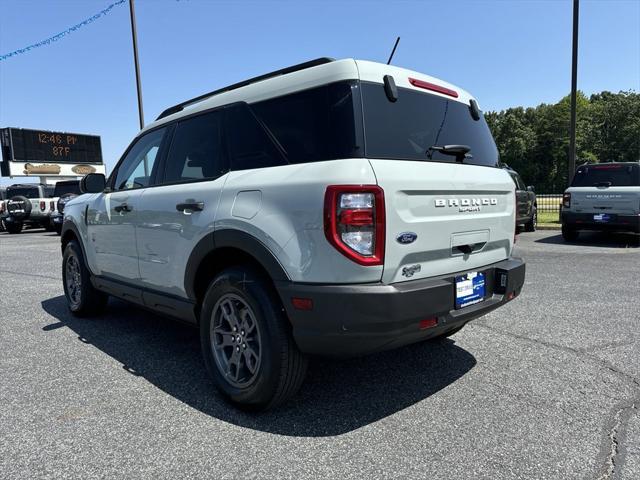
x,y
602,196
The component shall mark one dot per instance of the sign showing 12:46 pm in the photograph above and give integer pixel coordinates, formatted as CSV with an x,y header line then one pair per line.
x,y
44,146
41,152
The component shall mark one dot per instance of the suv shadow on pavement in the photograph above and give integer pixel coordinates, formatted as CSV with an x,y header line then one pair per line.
x,y
597,239
338,397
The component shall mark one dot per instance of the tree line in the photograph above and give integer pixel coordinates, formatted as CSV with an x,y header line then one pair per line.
x,y
535,141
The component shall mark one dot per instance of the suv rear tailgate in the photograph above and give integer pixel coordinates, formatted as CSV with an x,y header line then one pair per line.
x,y
451,208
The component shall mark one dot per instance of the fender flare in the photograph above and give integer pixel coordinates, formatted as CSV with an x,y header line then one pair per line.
x,y
68,225
236,239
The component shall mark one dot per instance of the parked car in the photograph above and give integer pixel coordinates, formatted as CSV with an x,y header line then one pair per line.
x,y
602,196
527,205
64,191
28,204
3,207
332,208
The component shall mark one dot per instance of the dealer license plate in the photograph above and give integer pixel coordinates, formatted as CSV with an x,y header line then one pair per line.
x,y
602,217
470,289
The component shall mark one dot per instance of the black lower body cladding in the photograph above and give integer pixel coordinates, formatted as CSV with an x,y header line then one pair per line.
x,y
615,222
352,320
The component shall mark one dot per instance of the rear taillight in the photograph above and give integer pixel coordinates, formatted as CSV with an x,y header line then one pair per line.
x,y
52,205
43,205
566,200
354,222
1,207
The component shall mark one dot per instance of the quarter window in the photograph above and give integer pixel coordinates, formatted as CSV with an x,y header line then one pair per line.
x,y
250,145
136,169
316,124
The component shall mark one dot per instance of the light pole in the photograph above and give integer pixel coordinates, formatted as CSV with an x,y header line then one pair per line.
x,y
135,61
574,84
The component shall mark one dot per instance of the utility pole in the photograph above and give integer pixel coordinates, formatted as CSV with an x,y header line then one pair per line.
x,y
135,61
574,85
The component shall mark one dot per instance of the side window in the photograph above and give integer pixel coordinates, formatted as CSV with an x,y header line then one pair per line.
x,y
520,183
196,150
250,145
315,124
136,168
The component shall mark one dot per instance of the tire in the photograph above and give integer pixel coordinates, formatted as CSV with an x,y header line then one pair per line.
x,y
531,225
14,227
23,203
569,234
83,299
58,229
242,298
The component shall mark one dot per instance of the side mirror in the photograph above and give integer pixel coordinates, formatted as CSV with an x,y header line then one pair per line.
x,y
531,189
93,183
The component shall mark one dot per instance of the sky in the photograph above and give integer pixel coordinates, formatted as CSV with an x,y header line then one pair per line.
x,y
505,52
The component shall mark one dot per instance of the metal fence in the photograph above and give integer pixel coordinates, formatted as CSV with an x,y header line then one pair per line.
x,y
549,207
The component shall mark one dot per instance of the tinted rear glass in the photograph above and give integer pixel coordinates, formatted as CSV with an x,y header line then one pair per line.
x,y
29,192
407,128
63,188
612,175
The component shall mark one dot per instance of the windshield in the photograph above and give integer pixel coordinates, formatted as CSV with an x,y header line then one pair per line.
x,y
607,175
63,188
29,192
409,128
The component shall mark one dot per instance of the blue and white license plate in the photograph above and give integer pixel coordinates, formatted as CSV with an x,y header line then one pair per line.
x,y
470,289
602,217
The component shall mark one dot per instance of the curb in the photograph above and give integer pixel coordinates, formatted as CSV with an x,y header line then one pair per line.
x,y
548,227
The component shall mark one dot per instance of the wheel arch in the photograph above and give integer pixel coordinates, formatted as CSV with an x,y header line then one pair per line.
x,y
222,249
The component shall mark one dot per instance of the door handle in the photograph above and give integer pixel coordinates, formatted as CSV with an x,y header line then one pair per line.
x,y
123,208
193,206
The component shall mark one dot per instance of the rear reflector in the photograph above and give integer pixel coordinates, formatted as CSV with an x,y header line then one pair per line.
x,y
428,323
433,87
302,303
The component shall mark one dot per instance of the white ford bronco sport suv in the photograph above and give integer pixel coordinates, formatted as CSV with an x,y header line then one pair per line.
x,y
332,208
602,196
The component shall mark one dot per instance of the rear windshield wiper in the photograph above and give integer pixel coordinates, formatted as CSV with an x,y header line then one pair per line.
x,y
602,184
459,151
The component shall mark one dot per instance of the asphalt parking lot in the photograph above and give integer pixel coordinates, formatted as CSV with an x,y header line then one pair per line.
x,y
546,387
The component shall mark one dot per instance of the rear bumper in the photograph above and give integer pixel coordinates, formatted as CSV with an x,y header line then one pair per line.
x,y
585,221
352,320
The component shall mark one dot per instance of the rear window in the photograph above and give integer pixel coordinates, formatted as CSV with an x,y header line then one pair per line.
x,y
607,175
28,192
64,188
408,128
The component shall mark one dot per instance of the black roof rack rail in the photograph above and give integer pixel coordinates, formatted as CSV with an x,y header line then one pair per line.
x,y
295,68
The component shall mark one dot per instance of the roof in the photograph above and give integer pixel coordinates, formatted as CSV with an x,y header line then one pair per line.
x,y
301,77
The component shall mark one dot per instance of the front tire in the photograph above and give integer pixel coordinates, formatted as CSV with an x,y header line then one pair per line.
x,y
531,225
14,227
83,299
246,340
569,234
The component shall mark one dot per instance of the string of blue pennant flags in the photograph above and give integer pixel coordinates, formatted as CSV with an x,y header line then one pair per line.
x,y
61,35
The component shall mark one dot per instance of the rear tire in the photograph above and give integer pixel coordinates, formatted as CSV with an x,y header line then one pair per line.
x,y
58,229
14,227
569,234
531,225
246,340
83,299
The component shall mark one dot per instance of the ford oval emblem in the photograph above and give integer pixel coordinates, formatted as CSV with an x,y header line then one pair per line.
x,y
406,237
